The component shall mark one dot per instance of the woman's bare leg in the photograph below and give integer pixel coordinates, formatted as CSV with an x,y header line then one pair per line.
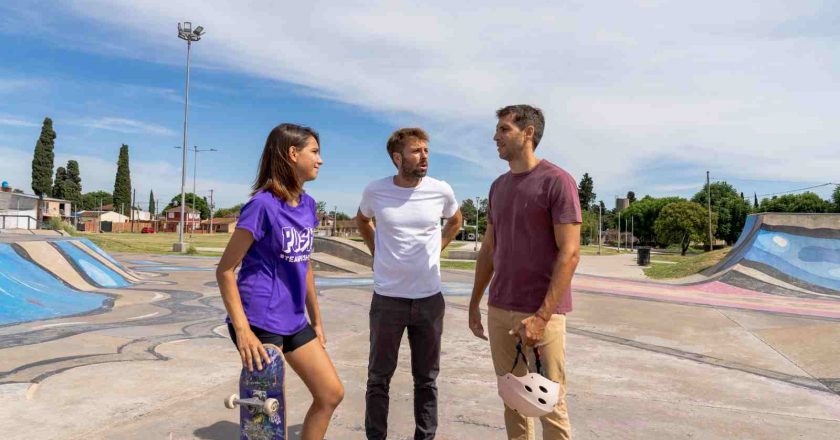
x,y
314,367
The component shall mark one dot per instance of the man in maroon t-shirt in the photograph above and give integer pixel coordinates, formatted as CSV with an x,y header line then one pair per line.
x,y
532,244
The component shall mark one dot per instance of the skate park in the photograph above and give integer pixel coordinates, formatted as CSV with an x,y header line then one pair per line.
x,y
118,345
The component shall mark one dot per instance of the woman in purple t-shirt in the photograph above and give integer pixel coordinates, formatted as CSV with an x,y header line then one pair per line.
x,y
268,301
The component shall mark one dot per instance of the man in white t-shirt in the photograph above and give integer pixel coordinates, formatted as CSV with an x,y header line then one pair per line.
x,y
406,243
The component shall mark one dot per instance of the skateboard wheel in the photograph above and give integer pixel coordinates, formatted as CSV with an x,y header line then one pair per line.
x,y
230,402
271,406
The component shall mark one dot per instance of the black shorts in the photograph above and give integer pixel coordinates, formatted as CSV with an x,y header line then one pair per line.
x,y
287,342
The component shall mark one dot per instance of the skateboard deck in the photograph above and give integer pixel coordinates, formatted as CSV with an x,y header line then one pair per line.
x,y
262,400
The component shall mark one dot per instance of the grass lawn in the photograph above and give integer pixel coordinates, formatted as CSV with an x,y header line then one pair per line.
x,y
593,250
160,243
466,264
683,266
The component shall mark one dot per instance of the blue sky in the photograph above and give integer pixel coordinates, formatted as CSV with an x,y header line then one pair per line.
x,y
644,96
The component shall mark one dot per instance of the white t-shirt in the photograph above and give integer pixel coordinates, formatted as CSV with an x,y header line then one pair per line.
x,y
406,262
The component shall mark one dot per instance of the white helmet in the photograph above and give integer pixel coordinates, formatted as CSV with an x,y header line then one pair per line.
x,y
532,395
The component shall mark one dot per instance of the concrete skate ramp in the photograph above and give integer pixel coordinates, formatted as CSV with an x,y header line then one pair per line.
x,y
49,258
92,246
107,260
28,292
91,267
345,249
784,250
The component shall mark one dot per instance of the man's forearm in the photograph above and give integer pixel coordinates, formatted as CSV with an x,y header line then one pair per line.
x,y
368,232
450,230
483,273
561,279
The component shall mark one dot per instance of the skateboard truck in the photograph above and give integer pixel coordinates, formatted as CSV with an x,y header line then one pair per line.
x,y
269,406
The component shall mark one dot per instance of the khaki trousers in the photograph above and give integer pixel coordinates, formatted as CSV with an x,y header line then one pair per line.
x,y
556,424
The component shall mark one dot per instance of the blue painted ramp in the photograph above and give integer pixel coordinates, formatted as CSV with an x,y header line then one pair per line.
x,y
104,254
799,249
100,274
29,293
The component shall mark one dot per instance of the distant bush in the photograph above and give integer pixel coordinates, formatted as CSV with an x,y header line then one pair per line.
x,y
57,224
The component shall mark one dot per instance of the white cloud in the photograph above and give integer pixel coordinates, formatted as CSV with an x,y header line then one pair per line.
x,y
124,125
8,85
16,122
621,83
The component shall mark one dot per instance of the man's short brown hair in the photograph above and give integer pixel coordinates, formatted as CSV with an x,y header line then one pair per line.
x,y
402,137
523,116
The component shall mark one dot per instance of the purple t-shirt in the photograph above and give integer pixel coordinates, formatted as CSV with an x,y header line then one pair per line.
x,y
272,279
523,210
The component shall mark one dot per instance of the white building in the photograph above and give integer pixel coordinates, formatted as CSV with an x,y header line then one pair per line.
x,y
20,211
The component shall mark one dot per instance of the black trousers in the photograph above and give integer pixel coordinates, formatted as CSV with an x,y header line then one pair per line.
x,y
389,318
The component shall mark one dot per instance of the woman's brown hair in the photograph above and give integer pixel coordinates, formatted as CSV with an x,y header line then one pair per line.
x,y
277,173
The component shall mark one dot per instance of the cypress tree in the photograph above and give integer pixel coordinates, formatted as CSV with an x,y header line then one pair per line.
x,y
586,191
755,203
73,184
152,207
122,182
59,183
42,160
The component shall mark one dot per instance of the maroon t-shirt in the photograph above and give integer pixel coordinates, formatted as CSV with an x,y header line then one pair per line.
x,y
523,209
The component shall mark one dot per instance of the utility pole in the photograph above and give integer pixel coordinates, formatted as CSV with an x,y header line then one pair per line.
x,y
709,206
211,212
131,212
632,235
155,218
99,217
619,230
600,228
335,221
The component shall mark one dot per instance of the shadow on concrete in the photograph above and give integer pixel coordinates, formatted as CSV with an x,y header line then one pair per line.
x,y
230,430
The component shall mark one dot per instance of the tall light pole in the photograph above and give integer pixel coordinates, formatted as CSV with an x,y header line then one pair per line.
x,y
600,228
709,206
212,205
188,34
477,202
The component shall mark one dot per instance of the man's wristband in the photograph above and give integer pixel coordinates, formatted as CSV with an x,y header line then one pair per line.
x,y
537,314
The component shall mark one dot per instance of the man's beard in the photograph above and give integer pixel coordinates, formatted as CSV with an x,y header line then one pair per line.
x,y
415,172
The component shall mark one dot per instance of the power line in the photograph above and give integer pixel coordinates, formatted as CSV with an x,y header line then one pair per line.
x,y
797,190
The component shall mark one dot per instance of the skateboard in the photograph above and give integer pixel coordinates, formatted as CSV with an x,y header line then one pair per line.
x,y
262,400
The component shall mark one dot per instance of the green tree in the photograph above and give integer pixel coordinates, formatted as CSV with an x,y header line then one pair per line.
x,y
730,207
224,212
631,197
321,207
339,216
122,182
73,184
152,207
644,214
755,201
835,198
200,204
42,160
468,211
59,183
91,201
586,191
589,227
806,202
682,223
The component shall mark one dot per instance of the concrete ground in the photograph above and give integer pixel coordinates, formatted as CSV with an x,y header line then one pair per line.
x,y
159,364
